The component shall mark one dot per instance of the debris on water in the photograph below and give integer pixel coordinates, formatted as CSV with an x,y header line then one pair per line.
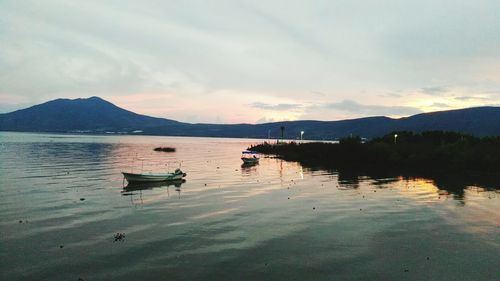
x,y
288,198
314,208
428,258
406,270
361,209
205,184
119,236
165,149
81,199
374,191
61,246
20,221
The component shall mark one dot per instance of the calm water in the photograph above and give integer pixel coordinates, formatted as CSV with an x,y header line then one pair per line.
x,y
62,202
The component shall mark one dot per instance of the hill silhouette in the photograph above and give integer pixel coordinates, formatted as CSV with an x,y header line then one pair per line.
x,y
95,115
64,115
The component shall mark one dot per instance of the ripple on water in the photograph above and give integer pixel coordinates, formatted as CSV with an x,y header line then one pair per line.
x,y
276,220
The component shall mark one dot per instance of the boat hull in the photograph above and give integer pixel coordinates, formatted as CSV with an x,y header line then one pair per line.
x,y
250,160
131,177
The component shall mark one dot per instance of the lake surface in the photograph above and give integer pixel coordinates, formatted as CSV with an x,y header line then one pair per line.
x,y
62,202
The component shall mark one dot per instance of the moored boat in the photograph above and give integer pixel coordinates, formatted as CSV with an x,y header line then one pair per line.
x,y
154,177
249,157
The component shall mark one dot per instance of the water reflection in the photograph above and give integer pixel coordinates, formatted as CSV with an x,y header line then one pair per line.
x,y
348,179
134,186
143,193
455,185
249,168
282,220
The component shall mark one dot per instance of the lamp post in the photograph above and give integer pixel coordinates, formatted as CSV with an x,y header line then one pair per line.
x,y
395,138
301,135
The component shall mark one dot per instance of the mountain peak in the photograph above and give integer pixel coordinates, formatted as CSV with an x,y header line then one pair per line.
x,y
89,99
92,114
94,99
76,100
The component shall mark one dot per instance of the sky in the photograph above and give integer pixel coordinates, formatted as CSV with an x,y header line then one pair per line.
x,y
253,61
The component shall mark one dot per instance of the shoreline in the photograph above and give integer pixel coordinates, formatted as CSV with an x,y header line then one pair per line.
x,y
429,154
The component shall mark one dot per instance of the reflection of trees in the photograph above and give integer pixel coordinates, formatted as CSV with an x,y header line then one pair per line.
x,y
458,183
455,184
348,179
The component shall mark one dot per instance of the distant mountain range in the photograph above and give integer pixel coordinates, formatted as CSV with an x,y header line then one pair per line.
x,y
97,116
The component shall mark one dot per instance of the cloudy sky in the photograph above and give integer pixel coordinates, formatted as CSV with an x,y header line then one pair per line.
x,y
253,61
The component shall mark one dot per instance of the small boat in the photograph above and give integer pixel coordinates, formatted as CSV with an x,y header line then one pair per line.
x,y
152,177
249,157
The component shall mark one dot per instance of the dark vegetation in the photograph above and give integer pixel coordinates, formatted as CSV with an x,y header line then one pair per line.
x,y
428,152
453,161
165,149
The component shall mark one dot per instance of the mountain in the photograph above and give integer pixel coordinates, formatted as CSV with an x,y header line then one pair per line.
x,y
64,115
95,115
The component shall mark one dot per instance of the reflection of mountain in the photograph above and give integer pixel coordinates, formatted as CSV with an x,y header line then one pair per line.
x,y
95,115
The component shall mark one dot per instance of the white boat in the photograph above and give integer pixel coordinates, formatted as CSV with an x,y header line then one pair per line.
x,y
249,157
154,177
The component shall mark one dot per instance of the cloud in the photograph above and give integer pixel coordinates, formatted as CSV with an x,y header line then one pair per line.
x,y
357,108
265,120
470,98
277,107
10,103
434,91
318,93
310,52
440,104
391,95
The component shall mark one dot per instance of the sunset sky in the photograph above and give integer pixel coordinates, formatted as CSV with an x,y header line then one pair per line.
x,y
253,61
